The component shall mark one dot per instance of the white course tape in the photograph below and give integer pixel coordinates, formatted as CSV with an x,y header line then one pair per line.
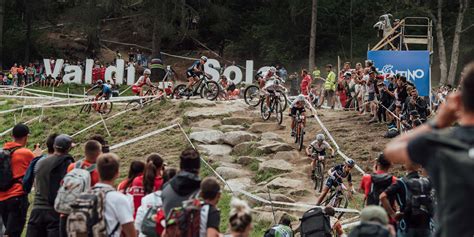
x,y
42,91
136,139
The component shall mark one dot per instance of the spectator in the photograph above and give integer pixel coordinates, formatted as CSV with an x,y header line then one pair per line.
x,y
210,215
385,100
136,169
373,222
149,182
13,200
283,73
131,55
448,159
30,73
282,229
118,55
102,141
306,82
401,95
409,221
417,103
329,87
118,211
185,184
371,84
240,218
44,220
316,73
374,184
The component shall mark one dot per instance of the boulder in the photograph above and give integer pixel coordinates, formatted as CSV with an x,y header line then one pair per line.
x,y
228,128
264,127
235,137
245,148
271,136
207,136
217,111
230,164
215,150
199,129
208,123
279,165
276,197
243,183
231,173
245,160
286,155
237,121
220,158
284,183
275,147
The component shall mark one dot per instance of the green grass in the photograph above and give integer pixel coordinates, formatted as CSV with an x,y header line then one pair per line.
x,y
259,228
265,175
224,207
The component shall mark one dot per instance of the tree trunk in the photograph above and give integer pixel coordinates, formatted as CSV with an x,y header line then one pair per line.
x,y
183,24
2,13
443,62
463,6
93,29
157,28
28,16
312,38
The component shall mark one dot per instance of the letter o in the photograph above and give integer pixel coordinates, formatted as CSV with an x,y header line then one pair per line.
x,y
237,74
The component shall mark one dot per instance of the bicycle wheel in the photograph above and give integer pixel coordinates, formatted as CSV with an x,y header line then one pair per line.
x,y
301,139
297,133
283,100
341,201
210,90
252,95
264,111
319,176
106,107
178,91
134,105
329,199
86,108
278,112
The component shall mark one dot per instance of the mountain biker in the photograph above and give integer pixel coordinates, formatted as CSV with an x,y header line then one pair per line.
x,y
336,176
318,148
297,106
142,81
105,92
193,72
271,85
262,77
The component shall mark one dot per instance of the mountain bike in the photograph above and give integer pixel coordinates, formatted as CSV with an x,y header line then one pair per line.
x,y
205,87
275,106
103,106
299,130
337,198
317,174
140,102
254,97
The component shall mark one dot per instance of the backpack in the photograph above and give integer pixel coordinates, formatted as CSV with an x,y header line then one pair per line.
x,y
29,177
315,223
87,216
185,221
7,180
419,201
279,231
369,229
73,184
380,182
150,219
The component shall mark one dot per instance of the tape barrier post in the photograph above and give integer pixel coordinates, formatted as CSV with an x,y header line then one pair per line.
x,y
105,125
136,139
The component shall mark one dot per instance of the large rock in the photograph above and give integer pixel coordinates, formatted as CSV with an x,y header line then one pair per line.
x,y
239,183
228,128
230,165
235,137
265,127
208,136
271,136
279,165
275,147
217,111
245,160
276,197
286,155
215,150
245,148
231,173
283,183
208,123
237,121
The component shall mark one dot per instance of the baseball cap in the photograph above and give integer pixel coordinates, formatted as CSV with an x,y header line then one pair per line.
x,y
374,213
63,142
20,130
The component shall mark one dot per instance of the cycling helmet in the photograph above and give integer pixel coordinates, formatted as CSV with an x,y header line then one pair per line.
x,y
204,58
99,82
147,72
350,163
320,137
300,98
273,69
168,68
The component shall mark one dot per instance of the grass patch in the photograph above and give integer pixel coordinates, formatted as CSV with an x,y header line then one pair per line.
x,y
259,228
224,207
252,150
253,166
265,175
205,171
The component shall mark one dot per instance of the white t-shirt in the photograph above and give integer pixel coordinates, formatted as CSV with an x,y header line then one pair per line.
x,y
117,210
149,201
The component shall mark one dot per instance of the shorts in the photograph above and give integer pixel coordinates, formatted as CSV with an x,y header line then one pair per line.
x,y
106,96
332,182
371,96
191,74
328,93
320,153
294,109
136,89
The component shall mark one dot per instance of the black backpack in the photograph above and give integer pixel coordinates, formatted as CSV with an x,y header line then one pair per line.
x,y
7,180
380,182
369,229
419,199
315,223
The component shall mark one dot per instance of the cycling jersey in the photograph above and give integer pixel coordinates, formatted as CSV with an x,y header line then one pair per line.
x,y
337,174
297,107
319,149
142,81
190,71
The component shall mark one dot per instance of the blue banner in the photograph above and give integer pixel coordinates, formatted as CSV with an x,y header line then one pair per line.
x,y
414,65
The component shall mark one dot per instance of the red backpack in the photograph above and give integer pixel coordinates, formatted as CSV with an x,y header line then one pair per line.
x,y
184,221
